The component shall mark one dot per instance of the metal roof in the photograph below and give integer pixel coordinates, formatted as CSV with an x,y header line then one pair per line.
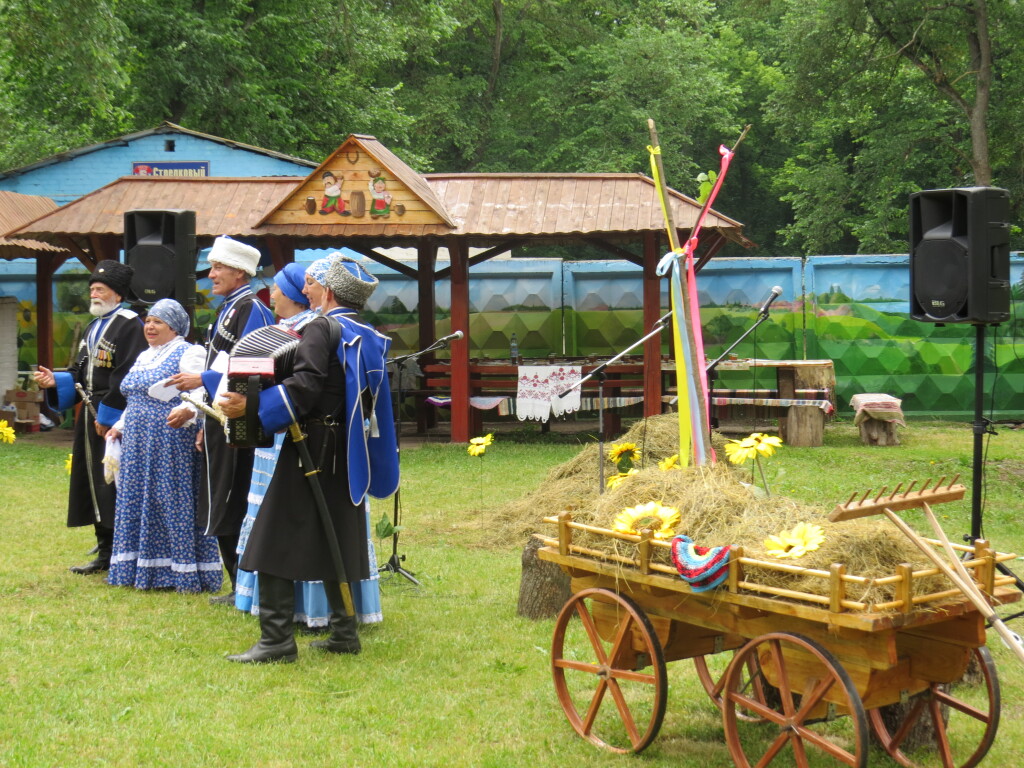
x,y
223,206
16,210
481,205
163,128
511,204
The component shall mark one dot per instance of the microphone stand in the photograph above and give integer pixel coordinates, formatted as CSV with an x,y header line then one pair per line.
x,y
710,368
394,563
600,373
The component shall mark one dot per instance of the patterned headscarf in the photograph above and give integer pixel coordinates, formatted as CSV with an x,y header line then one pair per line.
x,y
318,269
172,313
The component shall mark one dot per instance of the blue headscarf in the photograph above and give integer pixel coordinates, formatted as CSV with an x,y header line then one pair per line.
x,y
290,280
172,313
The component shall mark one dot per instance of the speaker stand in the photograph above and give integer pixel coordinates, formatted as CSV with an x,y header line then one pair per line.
x,y
982,427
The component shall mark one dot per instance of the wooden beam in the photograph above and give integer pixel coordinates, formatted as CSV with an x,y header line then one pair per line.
x,y
460,409
387,261
481,257
651,314
87,259
713,242
105,247
617,251
281,249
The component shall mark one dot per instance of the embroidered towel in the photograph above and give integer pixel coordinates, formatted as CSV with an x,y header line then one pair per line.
x,y
537,395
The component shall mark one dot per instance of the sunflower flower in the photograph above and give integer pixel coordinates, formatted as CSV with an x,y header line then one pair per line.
x,y
616,480
804,538
660,519
6,432
753,447
478,445
623,455
669,463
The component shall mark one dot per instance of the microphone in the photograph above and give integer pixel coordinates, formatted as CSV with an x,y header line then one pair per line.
x,y
776,292
459,335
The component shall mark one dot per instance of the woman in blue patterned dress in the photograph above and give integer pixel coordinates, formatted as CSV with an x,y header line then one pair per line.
x,y
291,296
157,544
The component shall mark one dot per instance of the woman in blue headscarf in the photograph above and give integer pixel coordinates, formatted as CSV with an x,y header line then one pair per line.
x,y
157,544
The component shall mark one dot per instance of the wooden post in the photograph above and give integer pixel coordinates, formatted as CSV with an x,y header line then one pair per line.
x,y
46,265
985,574
652,313
426,311
837,587
460,349
905,587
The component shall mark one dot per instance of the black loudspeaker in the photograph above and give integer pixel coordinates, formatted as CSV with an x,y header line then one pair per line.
x,y
161,247
960,255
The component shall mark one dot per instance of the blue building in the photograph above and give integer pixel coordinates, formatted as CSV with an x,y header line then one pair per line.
x,y
168,150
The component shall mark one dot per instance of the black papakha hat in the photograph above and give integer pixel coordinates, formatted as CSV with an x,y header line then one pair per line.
x,y
113,274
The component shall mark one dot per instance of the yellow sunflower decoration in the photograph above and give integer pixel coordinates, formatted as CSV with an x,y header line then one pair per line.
x,y
753,447
478,445
660,519
804,538
623,455
6,432
616,480
672,462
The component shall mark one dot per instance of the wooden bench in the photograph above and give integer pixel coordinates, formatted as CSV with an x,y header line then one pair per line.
x,y
489,378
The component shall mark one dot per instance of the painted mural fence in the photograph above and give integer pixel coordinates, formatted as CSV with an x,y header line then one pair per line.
x,y
850,309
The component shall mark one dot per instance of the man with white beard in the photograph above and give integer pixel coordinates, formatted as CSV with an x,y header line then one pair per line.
x,y
107,351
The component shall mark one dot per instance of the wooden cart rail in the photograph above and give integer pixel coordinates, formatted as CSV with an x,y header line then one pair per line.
x,y
835,607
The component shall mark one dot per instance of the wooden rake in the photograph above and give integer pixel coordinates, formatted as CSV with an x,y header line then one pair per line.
x,y
951,565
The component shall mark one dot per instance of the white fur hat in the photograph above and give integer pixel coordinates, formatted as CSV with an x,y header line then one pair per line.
x,y
232,253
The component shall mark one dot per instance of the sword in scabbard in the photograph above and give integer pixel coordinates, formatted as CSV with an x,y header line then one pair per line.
x,y
212,412
299,438
88,449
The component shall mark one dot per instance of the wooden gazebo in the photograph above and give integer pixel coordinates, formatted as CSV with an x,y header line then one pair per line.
x,y
364,197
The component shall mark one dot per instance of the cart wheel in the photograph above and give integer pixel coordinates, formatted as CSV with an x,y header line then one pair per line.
x,y
600,684
967,711
711,673
813,689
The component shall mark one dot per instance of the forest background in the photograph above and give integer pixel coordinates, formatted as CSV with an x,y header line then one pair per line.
x,y
854,104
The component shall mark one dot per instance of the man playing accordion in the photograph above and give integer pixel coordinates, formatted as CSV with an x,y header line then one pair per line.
x,y
339,397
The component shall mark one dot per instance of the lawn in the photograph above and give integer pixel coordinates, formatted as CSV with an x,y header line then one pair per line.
x,y
94,675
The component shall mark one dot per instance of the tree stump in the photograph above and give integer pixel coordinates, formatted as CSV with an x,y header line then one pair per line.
x,y
876,432
543,588
803,425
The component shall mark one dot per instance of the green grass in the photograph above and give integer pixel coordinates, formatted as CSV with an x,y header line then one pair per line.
x,y
92,675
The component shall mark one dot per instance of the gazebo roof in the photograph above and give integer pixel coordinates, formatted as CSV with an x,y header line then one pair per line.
x,y
480,206
17,209
223,206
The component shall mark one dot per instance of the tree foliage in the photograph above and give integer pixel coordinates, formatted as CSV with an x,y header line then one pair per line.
x,y
854,104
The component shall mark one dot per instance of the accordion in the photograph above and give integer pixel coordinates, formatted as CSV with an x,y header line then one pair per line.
x,y
259,360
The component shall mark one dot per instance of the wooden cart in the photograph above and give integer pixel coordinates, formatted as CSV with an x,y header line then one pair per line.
x,y
801,677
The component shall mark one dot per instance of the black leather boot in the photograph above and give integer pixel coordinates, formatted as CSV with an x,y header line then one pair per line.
x,y
104,548
277,613
344,636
